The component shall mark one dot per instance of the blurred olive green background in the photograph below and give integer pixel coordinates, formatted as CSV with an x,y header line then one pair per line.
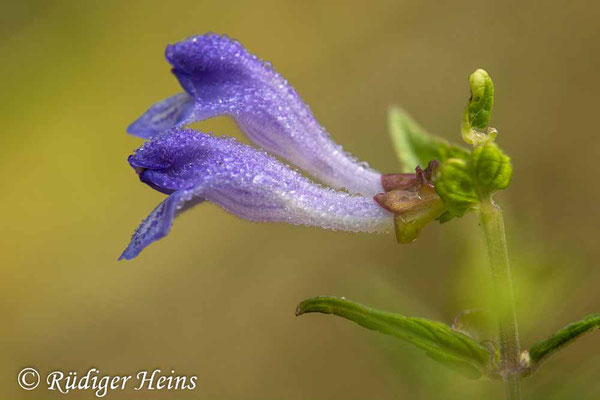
x,y
216,298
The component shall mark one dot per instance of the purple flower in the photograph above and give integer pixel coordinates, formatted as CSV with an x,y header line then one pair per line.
x,y
193,167
221,78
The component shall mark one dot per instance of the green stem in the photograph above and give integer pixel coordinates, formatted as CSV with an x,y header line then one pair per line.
x,y
492,224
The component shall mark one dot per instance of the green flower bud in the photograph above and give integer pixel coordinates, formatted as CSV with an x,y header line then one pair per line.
x,y
478,112
461,184
454,184
491,168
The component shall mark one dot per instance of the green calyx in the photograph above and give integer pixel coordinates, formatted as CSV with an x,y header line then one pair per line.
x,y
491,169
463,183
455,187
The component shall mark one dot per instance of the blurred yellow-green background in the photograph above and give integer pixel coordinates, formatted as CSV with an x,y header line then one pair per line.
x,y
216,298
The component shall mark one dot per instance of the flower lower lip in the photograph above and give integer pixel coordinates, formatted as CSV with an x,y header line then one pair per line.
x,y
148,180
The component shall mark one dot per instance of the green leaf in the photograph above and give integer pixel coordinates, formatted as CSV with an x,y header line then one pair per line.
x,y
567,335
414,145
452,348
491,168
455,186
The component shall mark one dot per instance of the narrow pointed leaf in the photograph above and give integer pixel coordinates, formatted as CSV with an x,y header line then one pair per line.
x,y
440,342
567,335
465,368
414,145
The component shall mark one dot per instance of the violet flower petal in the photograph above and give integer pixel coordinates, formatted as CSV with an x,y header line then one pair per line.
x,y
244,181
173,111
156,225
225,79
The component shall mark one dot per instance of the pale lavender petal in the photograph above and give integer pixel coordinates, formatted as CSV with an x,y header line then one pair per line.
x,y
225,79
246,182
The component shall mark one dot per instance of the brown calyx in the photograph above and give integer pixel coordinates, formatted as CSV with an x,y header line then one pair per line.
x,y
412,199
404,191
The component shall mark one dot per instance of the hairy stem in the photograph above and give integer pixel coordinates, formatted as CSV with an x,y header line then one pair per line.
x,y
492,224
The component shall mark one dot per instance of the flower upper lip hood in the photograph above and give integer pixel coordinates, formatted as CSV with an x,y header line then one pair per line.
x,y
142,161
220,77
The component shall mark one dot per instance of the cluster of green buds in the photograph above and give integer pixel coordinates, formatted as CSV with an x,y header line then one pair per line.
x,y
464,176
